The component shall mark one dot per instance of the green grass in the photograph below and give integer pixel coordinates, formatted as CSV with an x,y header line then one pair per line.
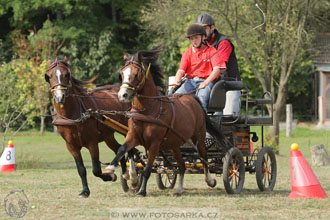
x,y
47,174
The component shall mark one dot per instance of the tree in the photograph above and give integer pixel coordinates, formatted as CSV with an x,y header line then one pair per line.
x,y
16,99
281,40
34,50
271,50
92,34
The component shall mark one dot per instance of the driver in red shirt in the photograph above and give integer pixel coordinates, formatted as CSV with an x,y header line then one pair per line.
x,y
200,64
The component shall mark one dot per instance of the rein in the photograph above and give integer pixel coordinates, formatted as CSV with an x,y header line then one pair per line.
x,y
166,96
68,121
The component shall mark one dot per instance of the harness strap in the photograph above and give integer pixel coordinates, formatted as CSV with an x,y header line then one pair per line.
x,y
150,119
60,88
62,121
172,123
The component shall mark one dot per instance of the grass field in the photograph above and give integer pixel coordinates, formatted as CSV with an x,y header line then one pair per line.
x,y
47,174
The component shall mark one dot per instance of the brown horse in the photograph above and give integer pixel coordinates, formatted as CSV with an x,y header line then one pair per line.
x,y
158,122
78,128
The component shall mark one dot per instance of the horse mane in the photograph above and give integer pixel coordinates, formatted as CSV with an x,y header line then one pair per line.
x,y
83,85
151,56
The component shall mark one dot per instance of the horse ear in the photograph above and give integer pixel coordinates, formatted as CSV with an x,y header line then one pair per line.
x,y
49,62
119,77
125,56
65,59
139,57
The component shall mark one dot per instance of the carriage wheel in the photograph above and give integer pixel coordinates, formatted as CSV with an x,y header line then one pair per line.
x,y
233,171
126,187
266,169
166,180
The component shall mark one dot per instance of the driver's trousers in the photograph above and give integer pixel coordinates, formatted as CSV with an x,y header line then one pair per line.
x,y
193,84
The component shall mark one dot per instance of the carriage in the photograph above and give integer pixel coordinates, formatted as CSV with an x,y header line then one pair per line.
x,y
84,118
232,163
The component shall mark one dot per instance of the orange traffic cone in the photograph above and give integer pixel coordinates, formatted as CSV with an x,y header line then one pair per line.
x,y
304,183
7,160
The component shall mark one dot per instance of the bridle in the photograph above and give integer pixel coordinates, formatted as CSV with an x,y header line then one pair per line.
x,y
142,73
60,86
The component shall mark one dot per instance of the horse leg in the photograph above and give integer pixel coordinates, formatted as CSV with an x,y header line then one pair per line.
x,y
82,173
129,144
132,171
114,145
202,153
178,157
75,152
153,152
94,152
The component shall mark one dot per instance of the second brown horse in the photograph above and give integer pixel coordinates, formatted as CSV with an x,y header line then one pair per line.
x,y
158,122
77,127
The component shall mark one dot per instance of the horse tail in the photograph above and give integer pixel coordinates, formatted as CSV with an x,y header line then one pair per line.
x,y
212,129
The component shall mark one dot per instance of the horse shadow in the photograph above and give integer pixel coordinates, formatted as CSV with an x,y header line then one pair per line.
x,y
217,192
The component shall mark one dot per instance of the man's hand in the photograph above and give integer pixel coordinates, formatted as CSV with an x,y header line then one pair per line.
x,y
202,85
178,76
177,83
209,79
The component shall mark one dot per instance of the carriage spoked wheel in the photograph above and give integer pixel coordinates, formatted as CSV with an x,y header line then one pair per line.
x,y
233,171
266,169
126,184
166,180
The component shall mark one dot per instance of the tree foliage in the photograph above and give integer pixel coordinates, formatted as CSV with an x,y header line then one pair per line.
x,y
94,34
272,40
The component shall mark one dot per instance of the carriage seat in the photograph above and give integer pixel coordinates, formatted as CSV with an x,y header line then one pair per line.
x,y
217,100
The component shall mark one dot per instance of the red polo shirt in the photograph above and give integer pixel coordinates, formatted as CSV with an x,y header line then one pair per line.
x,y
224,49
194,57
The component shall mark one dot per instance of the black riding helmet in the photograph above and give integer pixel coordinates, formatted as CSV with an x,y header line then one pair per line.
x,y
205,19
195,29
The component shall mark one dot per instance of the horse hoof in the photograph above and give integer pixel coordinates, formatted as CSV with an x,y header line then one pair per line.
x,y
109,177
84,195
126,176
142,194
212,183
114,177
134,185
177,194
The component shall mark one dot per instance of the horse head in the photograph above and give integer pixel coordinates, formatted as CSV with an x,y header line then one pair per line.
x,y
59,77
133,75
136,70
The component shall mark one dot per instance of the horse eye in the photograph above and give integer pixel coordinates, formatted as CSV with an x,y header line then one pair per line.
x,y
67,75
136,76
